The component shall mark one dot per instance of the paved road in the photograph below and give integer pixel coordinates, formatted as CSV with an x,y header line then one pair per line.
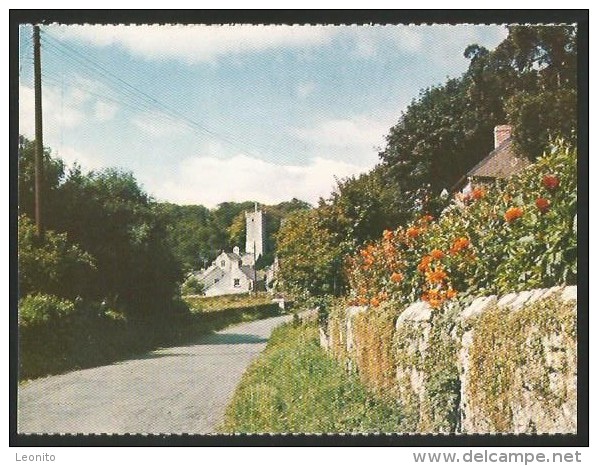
x,y
183,389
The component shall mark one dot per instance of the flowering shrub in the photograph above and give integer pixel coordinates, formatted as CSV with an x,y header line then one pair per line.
x,y
510,236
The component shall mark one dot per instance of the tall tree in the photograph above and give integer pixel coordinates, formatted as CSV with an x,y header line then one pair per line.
x,y
528,81
310,262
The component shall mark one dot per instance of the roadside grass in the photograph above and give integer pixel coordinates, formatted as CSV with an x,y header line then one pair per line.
x,y
201,304
295,387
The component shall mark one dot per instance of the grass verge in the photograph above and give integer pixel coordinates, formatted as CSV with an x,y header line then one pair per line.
x,y
203,304
295,387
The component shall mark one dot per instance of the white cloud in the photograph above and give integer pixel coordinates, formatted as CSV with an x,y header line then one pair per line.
x,y
159,125
87,161
356,134
59,109
434,42
210,181
303,90
105,111
196,43
63,108
369,41
26,111
451,41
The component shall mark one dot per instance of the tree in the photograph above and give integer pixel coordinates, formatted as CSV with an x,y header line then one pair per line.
x,y
107,215
528,81
188,231
51,265
360,208
54,173
310,262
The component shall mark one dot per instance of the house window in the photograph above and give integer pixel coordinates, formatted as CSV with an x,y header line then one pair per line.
x,y
222,263
237,282
216,280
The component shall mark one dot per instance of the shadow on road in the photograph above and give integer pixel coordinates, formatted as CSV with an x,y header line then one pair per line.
x,y
230,339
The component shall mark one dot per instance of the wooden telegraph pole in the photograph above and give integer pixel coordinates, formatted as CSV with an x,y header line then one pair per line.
x,y
39,144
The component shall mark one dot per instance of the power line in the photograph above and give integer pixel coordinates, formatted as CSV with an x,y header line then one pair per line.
x,y
131,91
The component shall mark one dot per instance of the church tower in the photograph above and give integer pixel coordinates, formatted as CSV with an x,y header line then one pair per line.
x,y
254,236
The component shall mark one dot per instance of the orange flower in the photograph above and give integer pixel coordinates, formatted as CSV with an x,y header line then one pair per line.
x,y
459,244
478,193
413,232
363,300
433,298
551,182
437,254
542,204
427,218
450,293
396,277
375,302
424,263
436,276
388,235
513,213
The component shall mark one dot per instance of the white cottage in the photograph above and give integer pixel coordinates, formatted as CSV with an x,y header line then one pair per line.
x,y
234,272
228,274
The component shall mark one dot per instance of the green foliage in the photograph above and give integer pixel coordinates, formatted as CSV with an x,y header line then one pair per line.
x,y
528,81
440,406
309,258
360,208
509,356
40,309
192,286
51,264
295,387
54,173
107,215
515,235
538,118
196,234
190,234
274,216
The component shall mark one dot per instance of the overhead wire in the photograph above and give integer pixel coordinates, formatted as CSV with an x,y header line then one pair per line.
x,y
129,91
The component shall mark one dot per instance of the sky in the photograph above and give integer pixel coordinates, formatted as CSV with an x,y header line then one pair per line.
x,y
208,114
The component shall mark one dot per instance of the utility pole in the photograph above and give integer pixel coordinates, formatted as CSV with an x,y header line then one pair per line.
x,y
39,144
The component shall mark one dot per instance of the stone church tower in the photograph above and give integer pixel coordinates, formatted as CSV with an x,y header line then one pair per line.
x,y
254,237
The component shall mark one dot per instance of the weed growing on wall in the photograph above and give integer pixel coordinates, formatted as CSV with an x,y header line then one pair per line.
x,y
373,352
440,407
516,352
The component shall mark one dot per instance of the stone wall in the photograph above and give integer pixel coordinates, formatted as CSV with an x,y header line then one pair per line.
x,y
500,364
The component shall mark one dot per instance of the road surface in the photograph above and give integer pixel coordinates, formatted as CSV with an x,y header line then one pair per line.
x,y
182,389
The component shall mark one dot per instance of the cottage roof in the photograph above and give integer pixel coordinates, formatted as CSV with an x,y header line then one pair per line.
x,y
232,256
247,271
500,163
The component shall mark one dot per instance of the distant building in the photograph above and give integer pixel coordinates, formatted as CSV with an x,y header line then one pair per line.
x,y
254,236
501,163
234,272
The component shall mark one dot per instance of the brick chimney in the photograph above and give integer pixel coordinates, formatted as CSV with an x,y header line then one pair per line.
x,y
501,134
